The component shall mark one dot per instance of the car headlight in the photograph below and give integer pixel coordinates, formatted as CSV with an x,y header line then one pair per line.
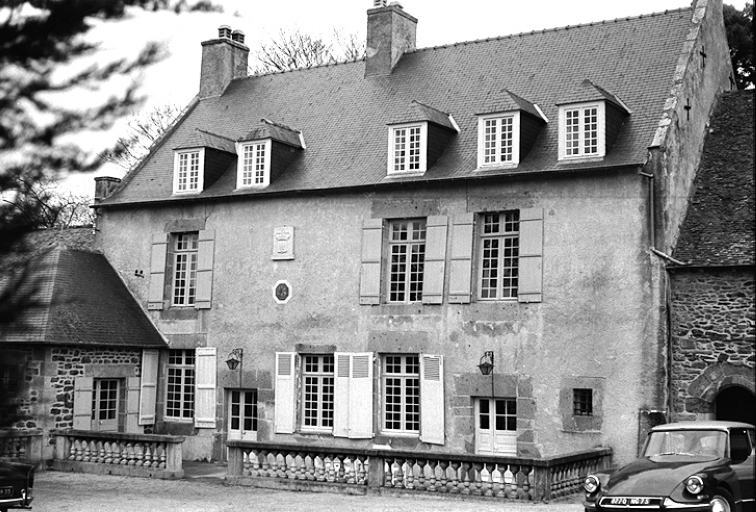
x,y
591,484
694,484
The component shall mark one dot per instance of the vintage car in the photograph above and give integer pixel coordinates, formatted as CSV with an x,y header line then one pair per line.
x,y
697,466
16,482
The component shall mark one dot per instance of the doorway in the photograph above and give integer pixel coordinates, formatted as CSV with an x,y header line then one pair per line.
x,y
242,415
106,399
736,403
496,426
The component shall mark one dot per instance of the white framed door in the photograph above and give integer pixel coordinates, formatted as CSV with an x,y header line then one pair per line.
x,y
496,426
106,398
242,414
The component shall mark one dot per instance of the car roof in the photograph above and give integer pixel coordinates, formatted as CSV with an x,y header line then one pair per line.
x,y
701,425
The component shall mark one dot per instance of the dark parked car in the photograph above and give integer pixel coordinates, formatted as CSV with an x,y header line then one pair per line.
x,y
697,466
16,482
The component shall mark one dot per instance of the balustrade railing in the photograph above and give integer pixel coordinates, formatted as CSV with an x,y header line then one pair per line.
x,y
506,478
149,455
21,445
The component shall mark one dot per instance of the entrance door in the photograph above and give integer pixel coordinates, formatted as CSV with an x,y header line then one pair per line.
x,y
496,426
105,399
242,415
736,403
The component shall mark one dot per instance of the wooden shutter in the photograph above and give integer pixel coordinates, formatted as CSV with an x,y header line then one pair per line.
x,y
205,255
82,406
461,259
341,394
361,396
284,393
204,396
148,387
370,271
157,271
435,259
132,406
529,288
432,399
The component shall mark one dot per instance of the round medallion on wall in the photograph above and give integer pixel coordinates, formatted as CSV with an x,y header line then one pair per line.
x,y
282,292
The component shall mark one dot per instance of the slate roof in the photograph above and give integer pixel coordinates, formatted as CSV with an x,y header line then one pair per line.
x,y
343,116
82,301
720,223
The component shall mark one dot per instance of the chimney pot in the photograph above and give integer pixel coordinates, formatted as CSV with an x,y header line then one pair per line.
x,y
379,3
238,36
224,32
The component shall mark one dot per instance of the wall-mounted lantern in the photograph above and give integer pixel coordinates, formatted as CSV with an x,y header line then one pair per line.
x,y
487,363
234,358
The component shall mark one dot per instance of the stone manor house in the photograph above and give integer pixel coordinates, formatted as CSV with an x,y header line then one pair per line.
x,y
460,249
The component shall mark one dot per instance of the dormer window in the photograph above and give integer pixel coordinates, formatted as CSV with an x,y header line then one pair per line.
x,y
188,171
582,130
499,140
254,164
408,148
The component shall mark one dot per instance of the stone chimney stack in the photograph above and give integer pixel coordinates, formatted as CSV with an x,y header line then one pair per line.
x,y
390,33
223,59
104,187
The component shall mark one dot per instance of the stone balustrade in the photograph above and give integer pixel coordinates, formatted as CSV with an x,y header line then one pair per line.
x,y
505,478
144,455
21,445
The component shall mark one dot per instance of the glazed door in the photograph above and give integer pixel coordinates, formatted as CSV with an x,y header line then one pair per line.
x,y
496,426
242,414
106,397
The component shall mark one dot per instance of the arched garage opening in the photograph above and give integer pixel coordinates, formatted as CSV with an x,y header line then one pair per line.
x,y
736,403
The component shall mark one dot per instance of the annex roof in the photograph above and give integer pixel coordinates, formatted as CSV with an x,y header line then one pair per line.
x,y
343,115
721,220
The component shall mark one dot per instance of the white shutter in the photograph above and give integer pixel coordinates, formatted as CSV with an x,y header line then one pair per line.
x,y
361,396
435,259
370,270
157,271
460,261
341,394
82,406
148,391
432,399
204,396
284,393
530,285
132,406
205,256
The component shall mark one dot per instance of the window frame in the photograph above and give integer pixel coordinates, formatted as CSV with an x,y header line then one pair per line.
x,y
321,385
178,181
600,152
582,402
514,161
190,296
480,237
187,376
404,377
422,148
242,173
408,244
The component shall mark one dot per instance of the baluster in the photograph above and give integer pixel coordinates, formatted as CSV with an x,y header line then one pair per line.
x,y
254,462
339,468
523,486
466,470
500,490
398,468
116,446
329,467
489,468
147,456
432,465
265,464
511,487
108,453
128,455
245,462
421,484
443,476
163,449
409,472
477,474
138,455
455,477
84,451
319,463
73,455
362,474
349,471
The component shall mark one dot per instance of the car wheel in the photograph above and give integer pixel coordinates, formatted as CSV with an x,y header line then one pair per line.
x,y
721,502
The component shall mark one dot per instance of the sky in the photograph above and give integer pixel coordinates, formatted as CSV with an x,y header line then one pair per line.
x,y
175,80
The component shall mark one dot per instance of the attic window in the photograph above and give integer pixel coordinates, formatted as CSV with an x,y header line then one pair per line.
x,y
499,140
188,171
582,130
408,148
253,164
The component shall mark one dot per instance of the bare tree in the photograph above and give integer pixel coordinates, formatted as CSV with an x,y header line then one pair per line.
x,y
295,50
41,205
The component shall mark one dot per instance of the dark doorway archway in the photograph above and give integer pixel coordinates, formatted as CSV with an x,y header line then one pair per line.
x,y
736,403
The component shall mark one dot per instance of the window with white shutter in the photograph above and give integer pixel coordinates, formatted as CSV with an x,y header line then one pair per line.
x,y
432,399
435,259
530,288
148,387
82,406
370,270
460,260
205,394
285,393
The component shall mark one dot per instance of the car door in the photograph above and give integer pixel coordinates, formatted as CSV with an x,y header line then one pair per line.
x,y
742,463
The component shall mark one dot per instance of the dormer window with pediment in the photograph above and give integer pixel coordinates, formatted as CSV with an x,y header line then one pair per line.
x,y
265,152
199,160
418,140
589,122
507,130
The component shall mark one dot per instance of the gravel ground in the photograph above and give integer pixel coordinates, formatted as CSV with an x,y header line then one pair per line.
x,y
75,492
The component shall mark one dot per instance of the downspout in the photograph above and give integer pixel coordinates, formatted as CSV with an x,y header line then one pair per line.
x,y
651,207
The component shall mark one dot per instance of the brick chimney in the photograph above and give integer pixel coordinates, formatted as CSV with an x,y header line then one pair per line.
x,y
390,33
104,187
223,59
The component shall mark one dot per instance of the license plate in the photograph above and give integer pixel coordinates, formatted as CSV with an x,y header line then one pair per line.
x,y
637,502
6,491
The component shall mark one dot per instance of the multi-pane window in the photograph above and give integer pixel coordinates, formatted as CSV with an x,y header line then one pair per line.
x,y
406,260
187,171
255,158
582,402
105,399
186,246
179,400
243,414
406,149
401,393
498,140
581,127
503,417
499,253
317,389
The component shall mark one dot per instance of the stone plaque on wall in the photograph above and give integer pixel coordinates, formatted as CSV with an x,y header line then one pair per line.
x,y
283,243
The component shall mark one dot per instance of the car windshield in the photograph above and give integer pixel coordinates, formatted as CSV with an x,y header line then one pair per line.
x,y
687,442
